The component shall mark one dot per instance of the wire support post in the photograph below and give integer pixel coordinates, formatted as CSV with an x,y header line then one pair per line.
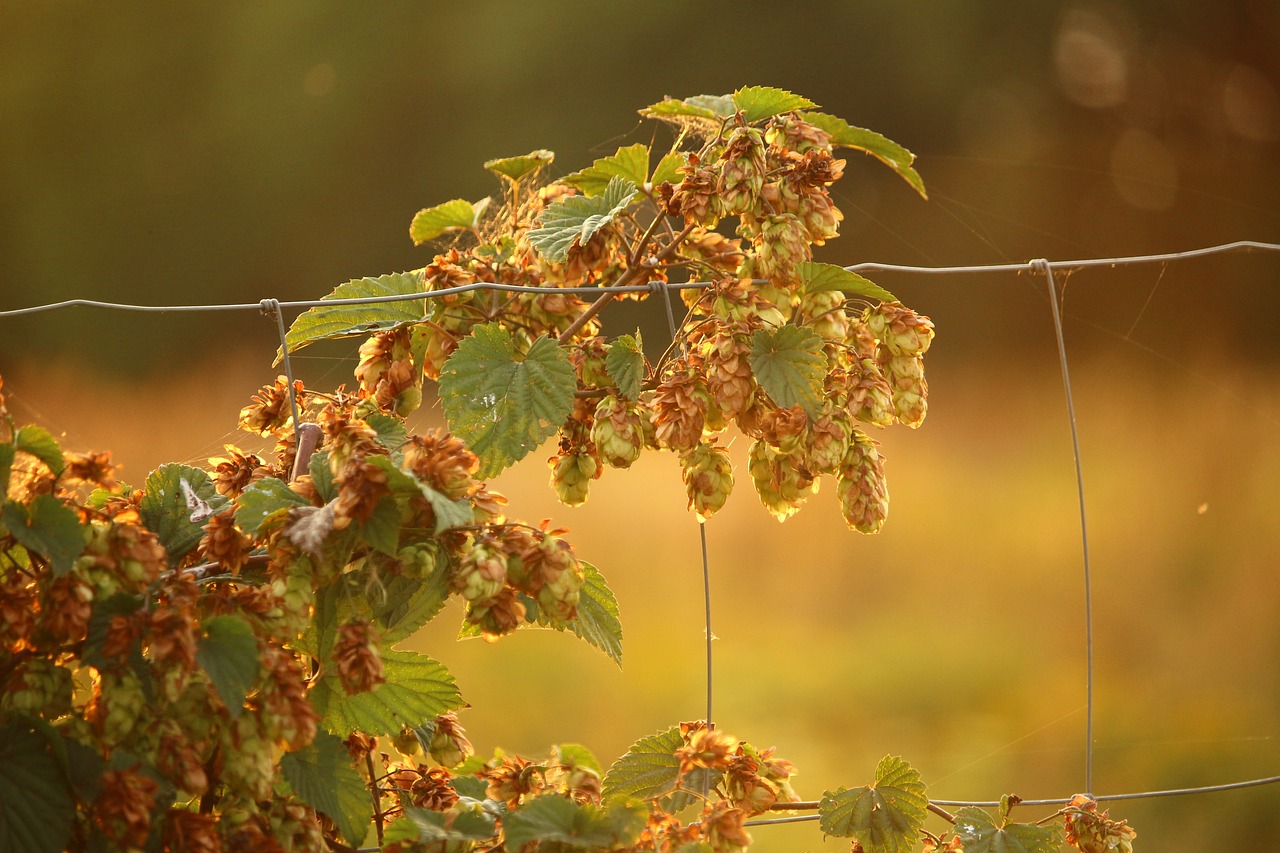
x,y
1043,266
271,308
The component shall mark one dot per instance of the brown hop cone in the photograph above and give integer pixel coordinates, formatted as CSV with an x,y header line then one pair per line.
x,y
785,430
192,832
870,396
819,216
449,745
910,392
679,409
482,571
223,543
270,408
399,390
18,609
708,479
355,652
899,329
782,480
861,485
66,607
235,471
123,807
513,779
695,198
377,354
441,343
433,789
1091,831
824,313
742,171
828,442
721,253
618,432
443,462
38,687
723,828
89,468
497,616
739,300
782,244
792,133
361,486
728,370
706,748
287,715
572,471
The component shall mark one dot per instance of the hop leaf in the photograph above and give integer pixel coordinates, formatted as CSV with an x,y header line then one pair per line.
x,y
884,816
758,103
515,168
228,652
789,365
576,219
322,776
598,621
713,107
430,222
503,404
46,527
887,151
630,163
625,365
818,278
555,820
981,835
343,321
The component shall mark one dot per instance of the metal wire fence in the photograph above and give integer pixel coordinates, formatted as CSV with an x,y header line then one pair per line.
x,y
274,309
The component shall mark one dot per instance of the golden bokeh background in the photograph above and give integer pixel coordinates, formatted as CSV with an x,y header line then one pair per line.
x,y
176,153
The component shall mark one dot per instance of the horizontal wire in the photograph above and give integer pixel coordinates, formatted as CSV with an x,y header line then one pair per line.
x,y
1239,245
1140,795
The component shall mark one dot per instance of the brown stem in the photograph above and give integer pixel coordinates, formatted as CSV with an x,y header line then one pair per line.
x,y
373,792
941,812
308,441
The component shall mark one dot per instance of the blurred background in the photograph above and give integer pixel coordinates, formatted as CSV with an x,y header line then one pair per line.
x,y
177,153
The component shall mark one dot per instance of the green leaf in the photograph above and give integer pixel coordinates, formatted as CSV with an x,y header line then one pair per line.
x,y
981,835
265,500
598,621
381,530
515,168
625,364
576,219
650,770
36,809
714,107
449,513
100,616
887,151
552,819
630,163
417,689
228,652
177,513
7,452
321,775
426,827
669,168
503,404
575,755
430,222
322,476
790,366
343,321
818,278
411,603
46,527
392,432
40,444
758,103
885,816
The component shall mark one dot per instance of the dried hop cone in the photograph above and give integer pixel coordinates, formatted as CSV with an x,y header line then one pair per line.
x,y
861,485
618,432
356,654
679,410
1091,831
708,478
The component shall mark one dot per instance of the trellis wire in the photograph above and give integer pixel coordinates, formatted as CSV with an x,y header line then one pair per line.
x,y
273,309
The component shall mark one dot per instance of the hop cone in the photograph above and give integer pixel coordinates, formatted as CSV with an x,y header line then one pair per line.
x,y
708,478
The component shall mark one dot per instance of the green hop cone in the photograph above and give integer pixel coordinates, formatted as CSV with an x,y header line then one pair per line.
x,y
782,480
861,485
571,474
824,313
870,394
783,243
618,432
42,689
910,392
899,329
742,171
829,438
708,479
482,572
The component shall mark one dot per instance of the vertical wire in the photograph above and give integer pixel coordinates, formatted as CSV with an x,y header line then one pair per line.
x,y
271,308
706,595
1042,265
